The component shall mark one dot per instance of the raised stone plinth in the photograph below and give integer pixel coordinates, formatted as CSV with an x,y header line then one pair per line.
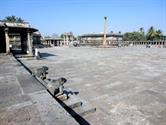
x,y
127,85
23,100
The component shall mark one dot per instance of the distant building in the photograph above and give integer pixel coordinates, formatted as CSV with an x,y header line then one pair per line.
x,y
16,36
52,41
97,39
55,40
68,38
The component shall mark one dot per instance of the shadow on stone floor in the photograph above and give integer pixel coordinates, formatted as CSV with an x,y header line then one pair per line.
x,y
44,55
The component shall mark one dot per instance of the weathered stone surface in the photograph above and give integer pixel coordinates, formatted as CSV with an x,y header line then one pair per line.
x,y
85,109
41,72
51,112
24,101
29,84
55,86
73,102
126,85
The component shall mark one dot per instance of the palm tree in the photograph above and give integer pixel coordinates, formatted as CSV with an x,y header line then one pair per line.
x,y
151,35
141,30
159,34
142,33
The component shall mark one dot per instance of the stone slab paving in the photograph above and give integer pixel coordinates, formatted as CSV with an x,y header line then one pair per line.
x,y
24,101
126,85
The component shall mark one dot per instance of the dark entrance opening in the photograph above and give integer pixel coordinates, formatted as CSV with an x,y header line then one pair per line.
x,y
19,44
2,42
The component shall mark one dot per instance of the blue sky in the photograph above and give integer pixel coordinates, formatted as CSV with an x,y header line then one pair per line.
x,y
87,16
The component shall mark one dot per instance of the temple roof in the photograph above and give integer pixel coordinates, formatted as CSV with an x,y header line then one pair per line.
x,y
17,26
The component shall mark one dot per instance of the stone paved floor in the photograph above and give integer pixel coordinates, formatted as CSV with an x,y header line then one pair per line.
x,y
24,101
126,85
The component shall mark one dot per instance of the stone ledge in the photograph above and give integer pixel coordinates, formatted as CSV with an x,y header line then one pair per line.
x,y
35,107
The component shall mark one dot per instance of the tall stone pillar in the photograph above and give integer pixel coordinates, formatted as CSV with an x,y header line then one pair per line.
x,y
59,43
7,40
67,39
105,31
64,39
29,43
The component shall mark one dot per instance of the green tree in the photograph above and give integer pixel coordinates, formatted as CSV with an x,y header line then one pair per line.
x,y
62,36
151,34
14,19
141,30
142,34
133,36
119,32
159,34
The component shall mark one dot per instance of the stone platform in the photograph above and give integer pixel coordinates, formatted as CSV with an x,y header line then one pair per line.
x,y
126,85
24,101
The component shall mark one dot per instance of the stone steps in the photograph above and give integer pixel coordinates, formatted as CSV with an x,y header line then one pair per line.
x,y
85,109
74,105
72,102
77,106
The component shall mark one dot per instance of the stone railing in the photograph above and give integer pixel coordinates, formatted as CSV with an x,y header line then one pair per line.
x,y
121,43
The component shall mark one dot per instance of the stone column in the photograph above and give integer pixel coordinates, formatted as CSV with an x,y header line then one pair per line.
x,y
105,31
7,40
29,43
64,39
59,43
72,38
67,39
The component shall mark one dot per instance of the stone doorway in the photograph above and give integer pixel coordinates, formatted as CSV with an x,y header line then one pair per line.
x,y
2,42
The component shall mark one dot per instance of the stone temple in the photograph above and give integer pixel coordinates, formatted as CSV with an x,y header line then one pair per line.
x,y
120,85
19,36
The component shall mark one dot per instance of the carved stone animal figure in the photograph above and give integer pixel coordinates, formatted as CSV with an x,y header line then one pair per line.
x,y
55,86
41,72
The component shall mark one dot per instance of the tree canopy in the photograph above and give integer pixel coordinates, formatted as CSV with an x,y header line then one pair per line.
x,y
14,19
153,34
133,36
140,35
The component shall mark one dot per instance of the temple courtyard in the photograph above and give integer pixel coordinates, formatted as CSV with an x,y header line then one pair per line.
x,y
126,85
